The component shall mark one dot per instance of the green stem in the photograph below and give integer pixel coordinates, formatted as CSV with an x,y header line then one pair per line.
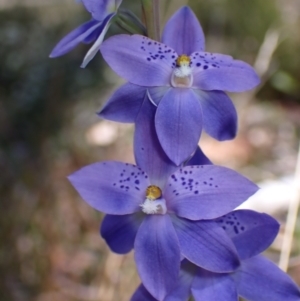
x,y
151,18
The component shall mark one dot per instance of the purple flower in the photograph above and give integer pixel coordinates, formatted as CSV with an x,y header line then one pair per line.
x,y
183,81
102,12
257,279
162,211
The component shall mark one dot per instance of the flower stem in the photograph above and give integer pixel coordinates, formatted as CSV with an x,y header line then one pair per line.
x,y
151,18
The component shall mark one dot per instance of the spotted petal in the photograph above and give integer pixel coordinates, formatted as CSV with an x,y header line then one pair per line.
x,y
259,279
210,286
157,255
119,231
178,123
183,32
206,245
111,187
125,104
250,231
140,60
148,153
206,191
78,35
213,71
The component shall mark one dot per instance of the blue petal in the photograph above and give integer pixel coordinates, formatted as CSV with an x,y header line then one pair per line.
x,y
206,245
219,114
93,36
75,37
212,286
141,294
259,279
98,9
199,158
125,104
111,187
96,46
157,255
250,231
206,191
178,122
148,153
184,282
140,60
157,93
213,71
183,32
119,231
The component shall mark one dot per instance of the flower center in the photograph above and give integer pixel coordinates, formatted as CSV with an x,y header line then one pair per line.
x,y
182,75
154,203
153,192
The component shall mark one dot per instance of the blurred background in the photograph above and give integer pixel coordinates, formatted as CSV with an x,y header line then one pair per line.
x,y
50,243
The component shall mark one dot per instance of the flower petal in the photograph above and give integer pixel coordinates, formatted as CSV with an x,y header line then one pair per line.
x,y
206,245
119,231
219,114
124,104
92,36
184,282
206,191
140,60
148,153
198,158
111,187
157,255
98,9
210,286
250,231
75,37
213,71
157,93
259,279
183,32
178,122
96,47
141,294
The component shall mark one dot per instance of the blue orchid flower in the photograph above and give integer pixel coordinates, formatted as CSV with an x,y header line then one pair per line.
x,y
162,211
257,278
102,12
184,82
